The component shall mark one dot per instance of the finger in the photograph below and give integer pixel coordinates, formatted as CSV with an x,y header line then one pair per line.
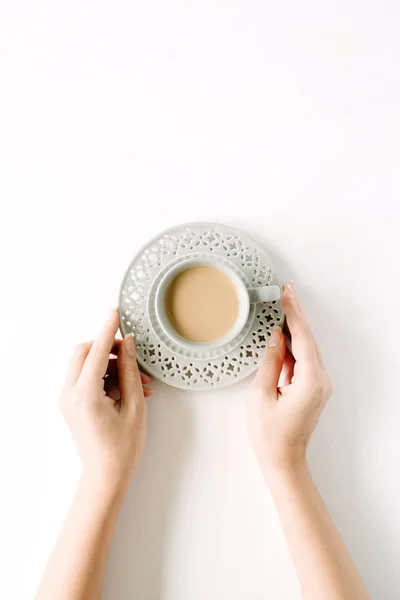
x,y
144,377
114,349
302,343
112,363
287,372
96,363
111,388
128,372
271,365
112,369
76,363
301,312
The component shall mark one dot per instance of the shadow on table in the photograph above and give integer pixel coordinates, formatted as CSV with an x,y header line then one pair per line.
x,y
135,568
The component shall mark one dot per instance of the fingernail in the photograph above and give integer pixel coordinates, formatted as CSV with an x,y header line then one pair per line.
x,y
275,338
289,288
290,285
130,344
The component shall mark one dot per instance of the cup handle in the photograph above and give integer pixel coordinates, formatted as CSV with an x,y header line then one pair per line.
x,y
268,293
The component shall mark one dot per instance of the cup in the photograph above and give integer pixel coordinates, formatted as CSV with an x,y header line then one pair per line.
x,y
246,296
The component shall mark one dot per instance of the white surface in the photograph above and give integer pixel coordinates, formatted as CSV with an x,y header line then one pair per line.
x,y
121,118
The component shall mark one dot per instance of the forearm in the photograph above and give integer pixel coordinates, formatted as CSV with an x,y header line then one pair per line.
x,y
76,567
324,566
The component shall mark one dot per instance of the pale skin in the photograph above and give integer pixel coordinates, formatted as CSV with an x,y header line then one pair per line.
x,y
103,401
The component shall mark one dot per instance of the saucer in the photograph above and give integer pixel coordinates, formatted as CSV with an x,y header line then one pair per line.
x,y
196,366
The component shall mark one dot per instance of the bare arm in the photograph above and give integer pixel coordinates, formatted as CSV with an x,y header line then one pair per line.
x,y
103,403
325,568
76,567
289,394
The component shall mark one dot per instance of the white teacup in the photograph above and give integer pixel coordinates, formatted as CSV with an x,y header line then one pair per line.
x,y
246,296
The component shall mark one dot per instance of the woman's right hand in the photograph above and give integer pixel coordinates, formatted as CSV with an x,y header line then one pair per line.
x,y
289,393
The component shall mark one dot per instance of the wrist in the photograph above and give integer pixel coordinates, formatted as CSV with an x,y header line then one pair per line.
x,y
288,481
288,470
110,487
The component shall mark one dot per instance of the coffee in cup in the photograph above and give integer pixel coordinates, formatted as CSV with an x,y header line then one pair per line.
x,y
201,303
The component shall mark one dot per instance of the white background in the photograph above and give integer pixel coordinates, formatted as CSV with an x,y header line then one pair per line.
x,y
119,118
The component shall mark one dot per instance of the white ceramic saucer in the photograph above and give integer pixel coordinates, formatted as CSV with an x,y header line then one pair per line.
x,y
197,366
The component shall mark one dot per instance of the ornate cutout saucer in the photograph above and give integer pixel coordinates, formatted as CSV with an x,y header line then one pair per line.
x,y
196,366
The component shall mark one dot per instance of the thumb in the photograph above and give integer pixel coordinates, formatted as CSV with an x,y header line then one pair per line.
x,y
130,384
271,365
